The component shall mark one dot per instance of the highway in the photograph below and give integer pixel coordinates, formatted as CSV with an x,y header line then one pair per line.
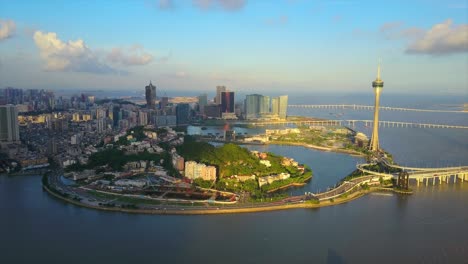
x,y
171,205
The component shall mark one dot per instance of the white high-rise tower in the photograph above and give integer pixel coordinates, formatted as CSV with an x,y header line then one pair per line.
x,y
378,85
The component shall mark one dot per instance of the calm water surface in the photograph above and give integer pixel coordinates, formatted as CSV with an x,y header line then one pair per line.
x,y
427,227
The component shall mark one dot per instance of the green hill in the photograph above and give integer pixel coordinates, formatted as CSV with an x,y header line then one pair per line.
x,y
231,159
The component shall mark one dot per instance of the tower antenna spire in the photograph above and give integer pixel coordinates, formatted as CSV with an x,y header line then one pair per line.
x,y
378,69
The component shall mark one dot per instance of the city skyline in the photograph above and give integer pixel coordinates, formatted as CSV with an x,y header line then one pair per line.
x,y
195,45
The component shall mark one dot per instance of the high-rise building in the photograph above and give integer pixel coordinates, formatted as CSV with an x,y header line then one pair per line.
x,y
190,169
9,128
219,90
150,94
164,102
264,104
116,115
282,106
142,118
194,170
202,102
213,111
251,105
227,102
51,146
256,105
182,113
100,125
13,95
275,106
378,85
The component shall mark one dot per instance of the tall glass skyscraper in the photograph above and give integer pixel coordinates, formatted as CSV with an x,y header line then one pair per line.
x,y
279,106
283,106
264,104
202,102
257,106
150,94
182,113
227,102
252,106
9,129
219,90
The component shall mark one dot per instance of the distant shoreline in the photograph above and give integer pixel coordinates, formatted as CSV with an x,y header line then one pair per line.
x,y
344,151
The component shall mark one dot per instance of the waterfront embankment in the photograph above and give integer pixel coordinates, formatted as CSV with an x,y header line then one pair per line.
x,y
261,207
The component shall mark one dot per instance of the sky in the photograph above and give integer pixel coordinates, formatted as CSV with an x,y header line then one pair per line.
x,y
247,45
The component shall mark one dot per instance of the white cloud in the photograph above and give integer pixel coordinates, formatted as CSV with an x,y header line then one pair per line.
x,y
68,56
229,5
7,28
135,55
76,56
441,39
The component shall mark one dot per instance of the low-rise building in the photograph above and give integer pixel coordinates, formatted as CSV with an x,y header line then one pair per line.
x,y
267,163
194,170
289,162
282,131
260,138
269,179
82,175
243,178
178,162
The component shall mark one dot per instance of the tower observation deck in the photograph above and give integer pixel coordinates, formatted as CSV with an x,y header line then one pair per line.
x,y
378,85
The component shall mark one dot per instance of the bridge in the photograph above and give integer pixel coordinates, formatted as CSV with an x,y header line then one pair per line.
x,y
354,122
440,175
371,107
423,175
345,187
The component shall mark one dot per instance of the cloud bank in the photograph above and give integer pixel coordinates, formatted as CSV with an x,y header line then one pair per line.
x,y
76,56
132,56
7,29
68,56
442,39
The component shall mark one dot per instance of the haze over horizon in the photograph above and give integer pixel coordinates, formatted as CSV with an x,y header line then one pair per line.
x,y
249,46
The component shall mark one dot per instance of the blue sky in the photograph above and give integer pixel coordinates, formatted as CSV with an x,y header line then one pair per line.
x,y
247,45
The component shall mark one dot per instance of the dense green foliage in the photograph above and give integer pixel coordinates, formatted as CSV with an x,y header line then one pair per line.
x,y
231,159
137,132
356,173
116,159
278,184
202,183
380,167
